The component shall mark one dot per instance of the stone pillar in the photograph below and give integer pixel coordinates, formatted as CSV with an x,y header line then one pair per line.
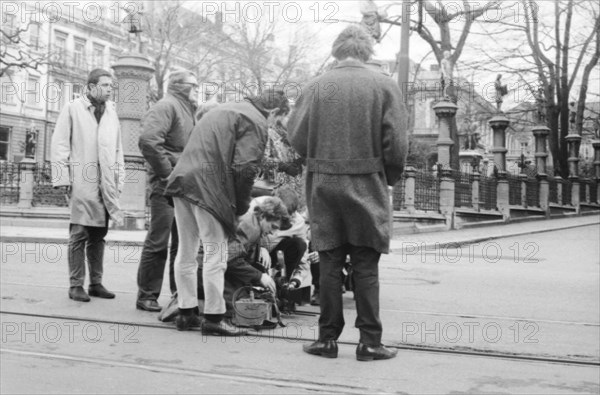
x,y
447,196
596,145
409,189
573,143
502,197
445,111
541,153
544,193
575,198
523,179
559,189
475,191
499,123
26,181
133,72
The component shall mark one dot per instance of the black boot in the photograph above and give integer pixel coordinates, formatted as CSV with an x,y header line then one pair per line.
x,y
327,348
78,294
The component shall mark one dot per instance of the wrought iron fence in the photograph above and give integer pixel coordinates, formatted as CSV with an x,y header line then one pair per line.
x,y
10,178
566,193
427,191
594,191
488,193
398,200
514,190
552,190
463,195
533,192
583,186
43,192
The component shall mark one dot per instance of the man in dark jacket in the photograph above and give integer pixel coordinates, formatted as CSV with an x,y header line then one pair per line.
x,y
353,136
211,187
166,128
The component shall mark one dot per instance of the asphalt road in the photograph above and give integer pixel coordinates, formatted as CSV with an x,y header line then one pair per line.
x,y
535,295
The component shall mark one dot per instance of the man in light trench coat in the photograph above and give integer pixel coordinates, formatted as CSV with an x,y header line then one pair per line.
x,y
87,163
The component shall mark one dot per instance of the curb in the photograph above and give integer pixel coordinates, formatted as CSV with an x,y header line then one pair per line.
x,y
459,243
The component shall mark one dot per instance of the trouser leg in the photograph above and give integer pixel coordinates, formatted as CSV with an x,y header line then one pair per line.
x,y
214,264
331,320
95,252
185,262
293,249
365,266
77,239
172,255
154,253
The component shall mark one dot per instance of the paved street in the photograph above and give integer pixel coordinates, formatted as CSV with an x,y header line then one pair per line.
x,y
534,295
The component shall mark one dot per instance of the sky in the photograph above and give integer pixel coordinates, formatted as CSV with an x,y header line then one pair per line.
x,y
325,19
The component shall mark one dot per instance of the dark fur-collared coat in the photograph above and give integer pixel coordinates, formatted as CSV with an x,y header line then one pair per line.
x,y
351,127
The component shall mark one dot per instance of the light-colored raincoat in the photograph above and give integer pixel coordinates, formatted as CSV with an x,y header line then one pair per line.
x,y
89,157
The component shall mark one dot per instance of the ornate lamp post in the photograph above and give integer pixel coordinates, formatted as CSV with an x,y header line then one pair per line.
x,y
133,72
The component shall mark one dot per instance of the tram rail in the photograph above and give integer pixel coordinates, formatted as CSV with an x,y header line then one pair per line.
x,y
419,348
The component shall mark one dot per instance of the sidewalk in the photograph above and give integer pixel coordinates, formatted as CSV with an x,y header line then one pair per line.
x,y
453,238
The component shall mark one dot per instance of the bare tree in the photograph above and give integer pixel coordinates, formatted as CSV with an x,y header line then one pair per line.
x,y
177,37
18,53
546,48
435,23
255,51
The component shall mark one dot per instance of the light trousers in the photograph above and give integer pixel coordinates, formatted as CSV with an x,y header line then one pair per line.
x,y
195,225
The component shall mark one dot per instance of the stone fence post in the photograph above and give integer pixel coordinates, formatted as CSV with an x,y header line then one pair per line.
x,y
447,196
499,123
475,191
540,133
445,111
409,189
26,182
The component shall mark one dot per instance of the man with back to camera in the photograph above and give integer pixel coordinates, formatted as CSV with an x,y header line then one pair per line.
x,y
353,136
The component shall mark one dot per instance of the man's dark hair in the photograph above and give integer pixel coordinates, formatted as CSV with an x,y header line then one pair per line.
x,y
95,75
270,98
353,42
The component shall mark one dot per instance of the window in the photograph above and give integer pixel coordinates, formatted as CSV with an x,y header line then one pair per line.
x,y
525,147
4,142
8,90
34,35
79,54
98,55
60,47
32,94
114,56
55,95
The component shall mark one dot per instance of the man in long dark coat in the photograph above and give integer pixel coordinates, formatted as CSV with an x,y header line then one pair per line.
x,y
350,126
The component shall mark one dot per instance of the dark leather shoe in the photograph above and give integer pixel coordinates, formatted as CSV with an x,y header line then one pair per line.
x,y
99,291
223,328
187,322
327,348
78,294
370,353
148,305
315,300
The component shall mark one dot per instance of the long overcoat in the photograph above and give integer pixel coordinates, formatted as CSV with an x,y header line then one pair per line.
x,y
88,156
217,168
350,125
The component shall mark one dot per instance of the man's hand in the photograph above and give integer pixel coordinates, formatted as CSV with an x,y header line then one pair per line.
x,y
313,257
268,282
264,259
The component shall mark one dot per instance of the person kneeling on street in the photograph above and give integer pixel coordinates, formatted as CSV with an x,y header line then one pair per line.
x,y
246,260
